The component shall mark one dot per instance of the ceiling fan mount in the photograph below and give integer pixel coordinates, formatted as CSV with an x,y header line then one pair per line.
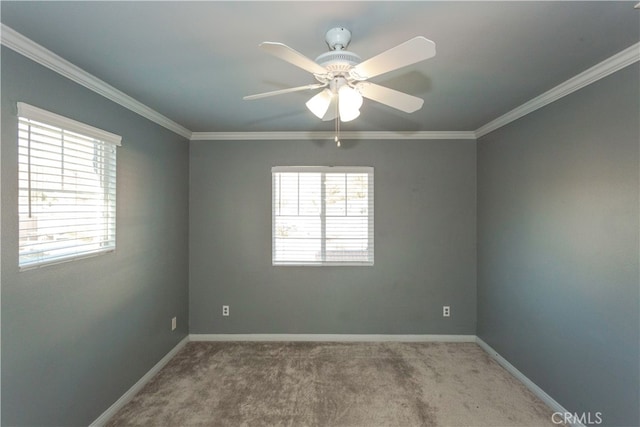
x,y
338,38
343,75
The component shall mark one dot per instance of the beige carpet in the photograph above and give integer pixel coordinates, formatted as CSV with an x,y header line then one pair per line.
x,y
333,384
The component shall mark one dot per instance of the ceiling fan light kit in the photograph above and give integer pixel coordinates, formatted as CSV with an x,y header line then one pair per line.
x,y
343,76
319,104
349,103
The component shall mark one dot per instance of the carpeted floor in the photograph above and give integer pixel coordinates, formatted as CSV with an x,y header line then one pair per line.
x,y
333,384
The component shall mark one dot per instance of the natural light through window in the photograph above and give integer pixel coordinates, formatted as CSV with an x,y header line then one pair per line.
x,y
67,188
322,215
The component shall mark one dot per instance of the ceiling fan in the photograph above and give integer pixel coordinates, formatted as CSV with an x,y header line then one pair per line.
x,y
344,75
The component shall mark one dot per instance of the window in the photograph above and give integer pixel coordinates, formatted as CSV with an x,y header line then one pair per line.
x,y
66,188
322,215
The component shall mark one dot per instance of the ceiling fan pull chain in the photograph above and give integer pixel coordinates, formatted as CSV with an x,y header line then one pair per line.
x,y
337,137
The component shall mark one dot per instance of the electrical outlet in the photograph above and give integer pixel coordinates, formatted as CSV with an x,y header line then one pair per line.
x,y
225,310
446,311
173,324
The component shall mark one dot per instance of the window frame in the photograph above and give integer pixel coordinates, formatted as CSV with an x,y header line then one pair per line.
x,y
369,171
38,120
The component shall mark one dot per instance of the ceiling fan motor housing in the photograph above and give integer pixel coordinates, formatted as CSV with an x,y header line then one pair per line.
x,y
338,61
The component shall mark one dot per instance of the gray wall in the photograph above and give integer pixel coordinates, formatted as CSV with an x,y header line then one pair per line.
x,y
76,336
425,244
557,283
558,287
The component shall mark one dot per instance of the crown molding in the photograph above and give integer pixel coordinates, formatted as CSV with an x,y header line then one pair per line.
x,y
270,136
30,49
609,66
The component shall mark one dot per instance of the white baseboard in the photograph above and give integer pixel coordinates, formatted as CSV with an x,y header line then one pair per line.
x,y
125,398
332,337
540,393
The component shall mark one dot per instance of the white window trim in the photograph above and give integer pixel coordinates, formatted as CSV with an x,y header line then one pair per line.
x,y
30,112
326,169
38,114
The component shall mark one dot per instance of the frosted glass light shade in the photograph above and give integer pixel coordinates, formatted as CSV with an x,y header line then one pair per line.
x,y
332,111
349,103
319,104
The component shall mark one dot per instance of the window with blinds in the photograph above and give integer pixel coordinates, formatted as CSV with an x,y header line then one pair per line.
x,y
322,215
67,188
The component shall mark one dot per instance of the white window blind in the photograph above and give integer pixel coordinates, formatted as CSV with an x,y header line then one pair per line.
x,y
322,215
67,188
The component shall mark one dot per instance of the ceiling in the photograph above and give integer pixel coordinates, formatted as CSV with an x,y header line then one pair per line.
x,y
194,61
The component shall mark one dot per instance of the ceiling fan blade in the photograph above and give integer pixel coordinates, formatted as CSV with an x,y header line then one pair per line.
x,y
282,91
415,50
398,100
292,56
